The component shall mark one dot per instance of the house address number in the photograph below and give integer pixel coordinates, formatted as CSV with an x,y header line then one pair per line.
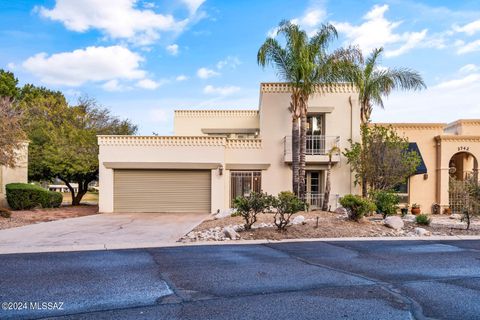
x,y
463,148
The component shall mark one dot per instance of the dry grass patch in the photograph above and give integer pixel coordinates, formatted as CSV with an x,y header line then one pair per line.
x,y
26,217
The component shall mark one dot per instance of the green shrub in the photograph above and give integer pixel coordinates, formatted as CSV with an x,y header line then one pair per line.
x,y
5,213
357,206
287,204
386,202
423,219
250,206
21,196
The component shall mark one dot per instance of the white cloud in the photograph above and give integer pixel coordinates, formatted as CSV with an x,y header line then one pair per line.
x,y
149,84
461,82
205,73
309,21
376,31
118,19
467,47
112,85
193,5
11,66
83,65
229,62
452,99
469,29
181,77
223,91
468,68
172,49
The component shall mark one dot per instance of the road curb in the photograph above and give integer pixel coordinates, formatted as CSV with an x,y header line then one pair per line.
x,y
146,245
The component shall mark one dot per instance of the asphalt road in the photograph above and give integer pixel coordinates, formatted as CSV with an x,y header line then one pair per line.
x,y
309,280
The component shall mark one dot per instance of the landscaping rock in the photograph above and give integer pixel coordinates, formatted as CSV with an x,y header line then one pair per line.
x,y
230,233
421,232
222,214
456,216
409,217
341,210
298,220
394,222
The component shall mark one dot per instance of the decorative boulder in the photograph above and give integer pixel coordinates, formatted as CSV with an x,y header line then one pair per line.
x,y
409,217
422,232
298,220
394,222
456,216
341,210
230,233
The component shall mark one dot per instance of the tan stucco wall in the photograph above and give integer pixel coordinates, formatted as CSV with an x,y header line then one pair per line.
x,y
19,173
423,191
191,122
266,151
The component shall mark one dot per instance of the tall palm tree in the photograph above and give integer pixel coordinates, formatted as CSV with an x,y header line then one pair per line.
x,y
304,63
375,83
326,196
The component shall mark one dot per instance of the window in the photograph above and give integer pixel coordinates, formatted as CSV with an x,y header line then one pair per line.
x,y
244,182
402,191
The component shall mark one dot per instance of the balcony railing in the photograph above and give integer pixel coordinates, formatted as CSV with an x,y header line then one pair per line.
x,y
317,145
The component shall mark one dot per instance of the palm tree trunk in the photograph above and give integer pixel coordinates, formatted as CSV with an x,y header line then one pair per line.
x,y
302,151
295,153
326,195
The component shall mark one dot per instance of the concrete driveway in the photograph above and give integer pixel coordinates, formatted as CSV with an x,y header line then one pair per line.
x,y
101,231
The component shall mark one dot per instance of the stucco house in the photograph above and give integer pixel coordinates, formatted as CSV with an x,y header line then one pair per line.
x,y
217,155
19,173
448,150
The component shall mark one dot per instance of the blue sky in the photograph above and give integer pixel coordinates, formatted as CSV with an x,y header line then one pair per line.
x,y
143,59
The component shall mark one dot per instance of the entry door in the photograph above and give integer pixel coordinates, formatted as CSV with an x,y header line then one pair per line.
x,y
314,194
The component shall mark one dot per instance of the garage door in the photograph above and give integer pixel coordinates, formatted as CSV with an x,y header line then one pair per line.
x,y
161,190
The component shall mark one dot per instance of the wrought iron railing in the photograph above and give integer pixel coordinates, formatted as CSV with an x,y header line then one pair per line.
x,y
315,200
316,144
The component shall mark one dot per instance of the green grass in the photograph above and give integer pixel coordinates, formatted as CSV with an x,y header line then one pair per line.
x,y
88,197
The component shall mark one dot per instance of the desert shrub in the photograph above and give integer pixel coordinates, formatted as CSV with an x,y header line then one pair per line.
x,y
21,196
5,213
422,219
386,202
357,206
248,207
286,205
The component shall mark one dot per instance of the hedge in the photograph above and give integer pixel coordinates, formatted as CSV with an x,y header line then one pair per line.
x,y
21,196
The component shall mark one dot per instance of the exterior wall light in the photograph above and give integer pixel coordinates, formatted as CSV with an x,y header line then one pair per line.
x,y
425,176
220,170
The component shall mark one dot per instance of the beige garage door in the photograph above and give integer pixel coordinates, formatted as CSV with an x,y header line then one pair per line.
x,y
161,190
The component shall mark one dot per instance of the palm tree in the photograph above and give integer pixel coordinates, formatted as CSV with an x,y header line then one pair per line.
x,y
326,195
375,83
304,63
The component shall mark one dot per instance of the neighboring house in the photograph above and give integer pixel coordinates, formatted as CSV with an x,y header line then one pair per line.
x,y
447,150
217,155
19,173
62,187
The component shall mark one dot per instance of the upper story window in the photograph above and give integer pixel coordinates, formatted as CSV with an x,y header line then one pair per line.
x,y
316,124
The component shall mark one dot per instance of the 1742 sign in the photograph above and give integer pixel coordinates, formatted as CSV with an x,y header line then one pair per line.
x,y
463,148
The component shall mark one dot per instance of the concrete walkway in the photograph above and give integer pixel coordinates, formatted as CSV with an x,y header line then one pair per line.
x,y
102,231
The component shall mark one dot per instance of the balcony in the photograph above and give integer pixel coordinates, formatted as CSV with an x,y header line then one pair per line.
x,y
317,148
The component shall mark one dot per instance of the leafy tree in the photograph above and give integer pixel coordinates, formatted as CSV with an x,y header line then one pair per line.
x,y
12,136
248,207
8,85
382,160
287,204
304,63
63,138
374,83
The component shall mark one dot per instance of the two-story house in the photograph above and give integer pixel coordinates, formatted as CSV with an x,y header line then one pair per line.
x,y
217,155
